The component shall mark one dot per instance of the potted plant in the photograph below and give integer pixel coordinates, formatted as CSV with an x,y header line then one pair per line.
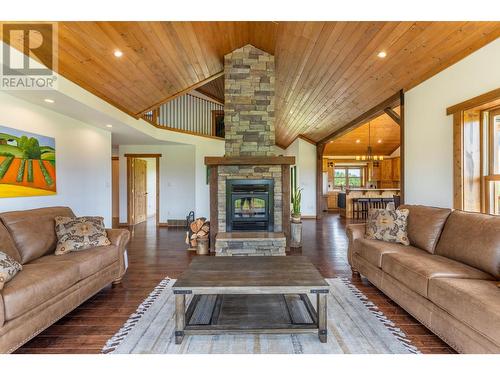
x,y
296,199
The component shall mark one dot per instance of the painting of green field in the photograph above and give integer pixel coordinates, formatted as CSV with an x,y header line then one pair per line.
x,y
27,164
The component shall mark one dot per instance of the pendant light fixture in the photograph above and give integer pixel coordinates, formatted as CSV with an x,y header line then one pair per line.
x,y
369,151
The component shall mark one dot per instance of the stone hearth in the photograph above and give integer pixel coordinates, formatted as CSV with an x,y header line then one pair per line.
x,y
250,244
250,143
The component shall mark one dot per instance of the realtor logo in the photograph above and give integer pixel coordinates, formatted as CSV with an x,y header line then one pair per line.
x,y
29,56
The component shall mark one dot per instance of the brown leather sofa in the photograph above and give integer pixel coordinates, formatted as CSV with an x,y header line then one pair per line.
x,y
50,286
446,278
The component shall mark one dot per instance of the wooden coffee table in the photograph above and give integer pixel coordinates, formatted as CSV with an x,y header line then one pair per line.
x,y
250,295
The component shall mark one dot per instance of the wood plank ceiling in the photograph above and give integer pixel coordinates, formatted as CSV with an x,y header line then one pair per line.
x,y
384,139
327,73
214,89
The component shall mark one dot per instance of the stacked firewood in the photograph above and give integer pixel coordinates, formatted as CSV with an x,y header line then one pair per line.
x,y
198,229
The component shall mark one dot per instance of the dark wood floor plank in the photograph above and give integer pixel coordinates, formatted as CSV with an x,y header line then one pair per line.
x,y
155,254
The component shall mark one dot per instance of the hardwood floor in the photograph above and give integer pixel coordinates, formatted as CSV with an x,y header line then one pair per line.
x,y
154,254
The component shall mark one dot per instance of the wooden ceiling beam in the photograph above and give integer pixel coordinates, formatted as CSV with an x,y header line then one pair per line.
x,y
182,92
392,114
373,112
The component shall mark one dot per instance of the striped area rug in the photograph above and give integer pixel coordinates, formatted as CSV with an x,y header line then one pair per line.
x,y
355,325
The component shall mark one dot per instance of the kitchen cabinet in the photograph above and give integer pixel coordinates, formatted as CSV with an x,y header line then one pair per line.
x,y
332,200
396,169
386,170
376,173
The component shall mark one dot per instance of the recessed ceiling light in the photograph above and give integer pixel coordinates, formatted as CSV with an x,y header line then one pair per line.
x,y
49,101
118,53
109,125
382,54
379,141
358,140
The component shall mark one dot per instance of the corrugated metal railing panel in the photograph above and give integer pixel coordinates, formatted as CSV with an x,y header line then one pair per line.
x,y
188,113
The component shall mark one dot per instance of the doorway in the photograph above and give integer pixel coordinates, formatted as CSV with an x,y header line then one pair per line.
x,y
143,186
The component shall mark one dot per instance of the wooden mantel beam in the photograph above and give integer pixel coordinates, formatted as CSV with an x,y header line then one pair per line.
x,y
392,114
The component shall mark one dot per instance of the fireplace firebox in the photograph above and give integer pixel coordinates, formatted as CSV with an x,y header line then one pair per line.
x,y
249,205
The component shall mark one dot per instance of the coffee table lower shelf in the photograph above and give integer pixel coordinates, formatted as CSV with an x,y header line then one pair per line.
x,y
211,314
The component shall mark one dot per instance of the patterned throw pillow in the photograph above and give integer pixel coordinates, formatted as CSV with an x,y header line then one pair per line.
x,y
388,225
8,268
80,233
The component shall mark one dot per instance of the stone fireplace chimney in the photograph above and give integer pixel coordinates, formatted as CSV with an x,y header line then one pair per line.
x,y
249,102
250,185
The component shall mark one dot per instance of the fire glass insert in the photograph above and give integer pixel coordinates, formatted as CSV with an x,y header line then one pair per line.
x,y
249,205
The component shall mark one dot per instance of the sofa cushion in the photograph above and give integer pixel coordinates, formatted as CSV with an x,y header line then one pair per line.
x,y
425,225
9,267
80,233
387,225
89,261
415,270
474,302
473,239
372,250
7,244
33,231
36,284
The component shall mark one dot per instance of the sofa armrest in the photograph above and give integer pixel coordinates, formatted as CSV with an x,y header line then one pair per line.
x,y
120,239
353,231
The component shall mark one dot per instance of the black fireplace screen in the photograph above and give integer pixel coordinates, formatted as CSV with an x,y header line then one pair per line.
x,y
249,205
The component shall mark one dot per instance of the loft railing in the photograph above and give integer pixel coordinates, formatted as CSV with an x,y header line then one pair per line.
x,y
187,114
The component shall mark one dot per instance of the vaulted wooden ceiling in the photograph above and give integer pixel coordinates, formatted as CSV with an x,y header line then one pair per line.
x,y
327,73
383,135
214,89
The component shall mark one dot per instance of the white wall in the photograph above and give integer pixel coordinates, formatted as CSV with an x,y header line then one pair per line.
x,y
305,160
83,159
429,131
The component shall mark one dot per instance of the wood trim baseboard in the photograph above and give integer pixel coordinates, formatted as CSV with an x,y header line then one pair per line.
x,y
309,217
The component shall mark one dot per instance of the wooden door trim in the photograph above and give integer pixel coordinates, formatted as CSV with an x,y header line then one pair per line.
x,y
130,206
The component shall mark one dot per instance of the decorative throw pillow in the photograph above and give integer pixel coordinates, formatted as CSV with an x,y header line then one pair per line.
x,y
8,268
79,233
388,225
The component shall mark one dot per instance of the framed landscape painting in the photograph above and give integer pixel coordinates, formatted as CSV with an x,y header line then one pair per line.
x,y
27,164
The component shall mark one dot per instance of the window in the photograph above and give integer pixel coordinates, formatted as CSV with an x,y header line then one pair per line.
x,y
492,179
354,177
347,177
477,158
339,179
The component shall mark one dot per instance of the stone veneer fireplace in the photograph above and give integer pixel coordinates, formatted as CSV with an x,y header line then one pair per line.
x,y
249,171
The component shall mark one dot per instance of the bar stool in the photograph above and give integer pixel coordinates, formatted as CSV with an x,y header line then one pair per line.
x,y
397,200
360,208
376,203
365,205
386,201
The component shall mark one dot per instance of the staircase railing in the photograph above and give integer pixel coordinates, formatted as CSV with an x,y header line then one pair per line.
x,y
187,114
